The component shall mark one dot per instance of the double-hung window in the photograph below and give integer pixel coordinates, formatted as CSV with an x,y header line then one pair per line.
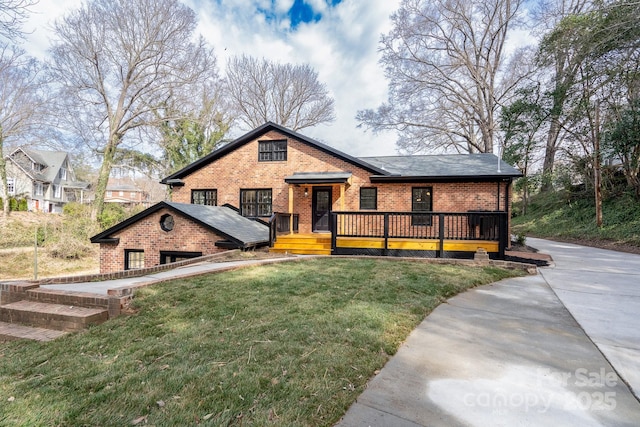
x,y
254,203
38,189
272,151
368,198
133,259
421,201
204,197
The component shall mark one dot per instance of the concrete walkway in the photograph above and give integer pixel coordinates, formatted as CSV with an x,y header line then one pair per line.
x,y
177,273
512,354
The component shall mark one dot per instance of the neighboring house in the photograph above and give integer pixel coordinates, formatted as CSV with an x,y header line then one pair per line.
x,y
124,191
316,199
44,178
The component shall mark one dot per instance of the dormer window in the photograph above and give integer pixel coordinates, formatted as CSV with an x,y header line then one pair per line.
x,y
272,151
63,173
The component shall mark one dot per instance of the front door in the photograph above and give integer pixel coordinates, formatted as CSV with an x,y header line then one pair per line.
x,y
321,208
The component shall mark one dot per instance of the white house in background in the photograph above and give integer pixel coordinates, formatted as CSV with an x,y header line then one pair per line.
x,y
44,178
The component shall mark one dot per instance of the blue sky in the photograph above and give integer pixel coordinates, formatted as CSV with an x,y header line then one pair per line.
x,y
338,38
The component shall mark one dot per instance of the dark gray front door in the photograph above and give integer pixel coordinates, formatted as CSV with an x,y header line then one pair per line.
x,y
321,208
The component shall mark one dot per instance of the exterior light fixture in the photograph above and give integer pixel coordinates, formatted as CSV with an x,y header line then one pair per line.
x,y
306,192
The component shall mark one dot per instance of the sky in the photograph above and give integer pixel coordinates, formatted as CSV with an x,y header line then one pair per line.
x,y
338,38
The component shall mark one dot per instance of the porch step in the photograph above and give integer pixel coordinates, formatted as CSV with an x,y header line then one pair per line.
x,y
52,316
12,331
70,298
303,244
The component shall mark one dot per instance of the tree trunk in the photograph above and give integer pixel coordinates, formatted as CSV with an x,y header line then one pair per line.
x,y
103,177
550,153
3,179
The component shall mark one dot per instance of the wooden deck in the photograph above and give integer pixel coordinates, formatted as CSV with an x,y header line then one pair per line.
x,y
320,244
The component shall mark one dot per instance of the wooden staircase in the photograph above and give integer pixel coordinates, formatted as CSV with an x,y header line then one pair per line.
x,y
303,244
30,312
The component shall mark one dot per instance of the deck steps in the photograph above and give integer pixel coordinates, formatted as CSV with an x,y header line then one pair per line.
x,y
52,316
13,331
303,244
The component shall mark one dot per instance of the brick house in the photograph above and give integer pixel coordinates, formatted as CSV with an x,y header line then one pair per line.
x,y
316,199
169,232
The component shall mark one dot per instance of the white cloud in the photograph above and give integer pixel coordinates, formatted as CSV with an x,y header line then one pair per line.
x,y
342,47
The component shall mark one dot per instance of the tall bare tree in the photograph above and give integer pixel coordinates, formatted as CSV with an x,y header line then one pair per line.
x,y
445,61
21,105
117,61
13,13
286,94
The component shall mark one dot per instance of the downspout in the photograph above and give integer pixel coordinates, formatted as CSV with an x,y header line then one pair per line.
x,y
498,198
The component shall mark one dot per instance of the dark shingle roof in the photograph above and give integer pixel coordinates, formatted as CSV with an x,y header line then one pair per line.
x,y
175,178
227,221
443,166
222,220
317,177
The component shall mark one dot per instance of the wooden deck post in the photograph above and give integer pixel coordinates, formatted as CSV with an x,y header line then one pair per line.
x,y
290,209
342,206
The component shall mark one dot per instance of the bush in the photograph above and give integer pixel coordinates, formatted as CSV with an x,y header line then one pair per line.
x,y
112,214
70,248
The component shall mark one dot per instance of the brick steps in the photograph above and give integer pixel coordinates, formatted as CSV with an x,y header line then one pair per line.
x,y
52,316
12,331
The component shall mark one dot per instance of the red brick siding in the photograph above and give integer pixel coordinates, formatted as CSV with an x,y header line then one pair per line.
x,y
240,169
146,234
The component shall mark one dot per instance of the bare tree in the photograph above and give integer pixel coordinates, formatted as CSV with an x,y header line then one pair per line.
x,y
446,65
13,13
117,61
21,105
286,94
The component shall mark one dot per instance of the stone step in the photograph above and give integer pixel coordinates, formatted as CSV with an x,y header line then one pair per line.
x,y
70,298
52,316
12,331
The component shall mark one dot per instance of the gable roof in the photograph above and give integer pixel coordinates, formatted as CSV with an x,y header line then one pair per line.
x,y
221,220
441,167
51,160
410,168
256,133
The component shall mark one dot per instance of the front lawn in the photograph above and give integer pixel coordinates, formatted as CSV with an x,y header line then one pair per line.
x,y
283,344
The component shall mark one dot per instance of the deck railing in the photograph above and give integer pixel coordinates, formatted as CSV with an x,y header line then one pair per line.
x,y
441,226
280,222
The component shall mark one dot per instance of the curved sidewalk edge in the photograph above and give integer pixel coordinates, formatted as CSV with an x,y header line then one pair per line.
x,y
508,353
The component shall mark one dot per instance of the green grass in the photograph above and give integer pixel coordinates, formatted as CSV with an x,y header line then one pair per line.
x,y
284,344
555,215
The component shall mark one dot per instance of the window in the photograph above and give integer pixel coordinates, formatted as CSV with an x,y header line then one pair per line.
x,y
63,173
109,193
121,193
167,222
368,198
38,189
272,151
204,197
57,191
133,259
421,202
134,195
11,185
255,202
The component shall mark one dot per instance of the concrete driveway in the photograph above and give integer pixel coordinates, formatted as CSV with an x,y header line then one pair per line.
x,y
601,289
512,354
